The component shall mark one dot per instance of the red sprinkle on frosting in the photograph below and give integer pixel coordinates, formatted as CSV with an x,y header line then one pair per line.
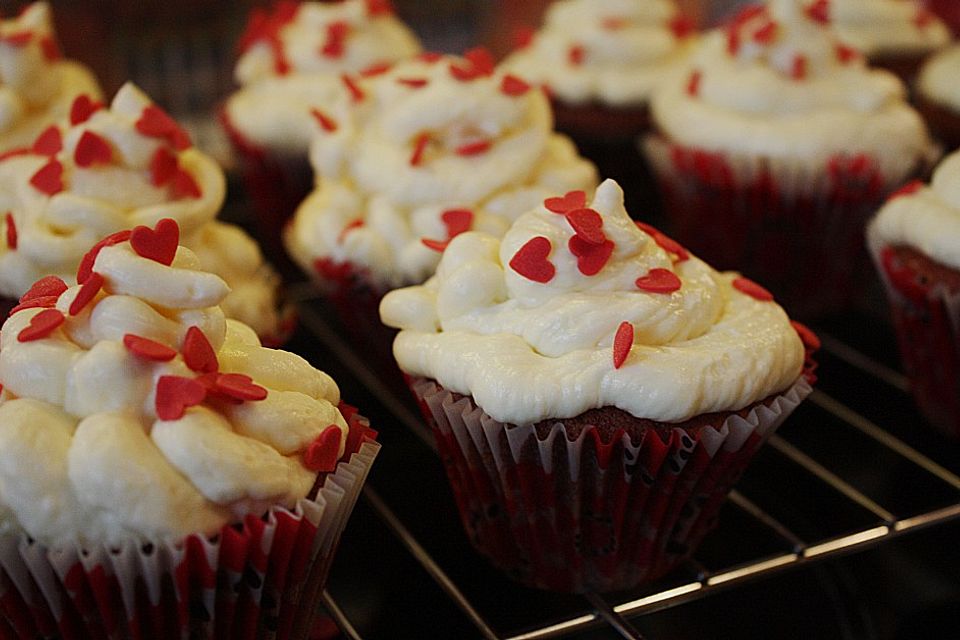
x,y
819,11
356,93
413,83
34,303
693,82
86,263
184,186
659,281
154,122
48,143
11,231
752,289
82,108
175,394
350,226
436,245
45,287
523,37
587,224
238,386
41,325
798,68
19,39
906,190
473,148
51,51
337,33
845,54
379,8
513,86
478,63
91,150
531,260
49,178
807,337
88,291
622,343
766,34
591,258
665,242
163,167
571,201
198,353
457,221
575,55
158,244
148,349
419,148
321,455
681,26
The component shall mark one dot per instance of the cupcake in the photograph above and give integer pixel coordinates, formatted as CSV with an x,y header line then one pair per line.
x,y
161,473
295,57
938,95
594,389
435,146
106,169
37,86
774,150
893,34
915,243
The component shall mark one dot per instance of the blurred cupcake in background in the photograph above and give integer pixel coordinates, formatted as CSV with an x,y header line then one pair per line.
x,y
938,95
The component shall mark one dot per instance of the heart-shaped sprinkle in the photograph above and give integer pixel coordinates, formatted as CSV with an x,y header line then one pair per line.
x,y
430,57
48,143
845,54
148,349
51,51
239,387
46,286
321,455
184,186
798,68
198,353
752,289
478,63
922,18
350,226
436,245
326,123
513,86
175,394
457,221
154,122
86,263
19,39
163,166
591,258
622,343
907,189
34,303
588,224
807,337
379,8
665,242
531,260
659,281
356,93
566,204
49,178
766,34
473,148
91,150
82,108
337,32
376,69
41,325
11,231
523,37
575,55
419,148
681,26
13,153
158,244
819,11
693,83
88,291
413,83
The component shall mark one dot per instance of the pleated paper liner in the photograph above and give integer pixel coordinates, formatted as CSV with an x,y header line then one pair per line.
x,y
798,230
588,514
259,579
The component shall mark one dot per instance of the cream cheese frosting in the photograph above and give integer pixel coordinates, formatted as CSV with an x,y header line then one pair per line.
x,y
939,79
131,407
610,51
433,147
37,86
924,217
106,169
576,311
884,27
293,60
777,84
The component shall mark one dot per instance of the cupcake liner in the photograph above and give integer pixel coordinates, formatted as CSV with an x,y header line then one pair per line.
x,y
797,229
926,316
257,579
588,515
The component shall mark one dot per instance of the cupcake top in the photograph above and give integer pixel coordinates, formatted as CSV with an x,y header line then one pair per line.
x,y
887,27
579,307
939,78
777,83
131,407
924,217
105,169
433,147
293,57
608,51
37,86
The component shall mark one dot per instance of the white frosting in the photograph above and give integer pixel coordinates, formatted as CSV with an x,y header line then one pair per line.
x,y
53,232
284,71
84,456
36,87
927,220
527,351
884,27
939,78
365,170
748,100
611,51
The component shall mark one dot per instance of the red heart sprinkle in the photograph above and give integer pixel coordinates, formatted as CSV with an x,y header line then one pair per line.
x,y
158,244
49,178
573,200
430,57
575,55
819,11
198,353
419,148
523,37
148,349
92,149
41,325
414,83
752,289
13,153
798,69
239,387
48,143
163,166
473,148
531,260
376,69
907,189
588,225
659,281
479,62
807,337
591,258
733,41
46,286
326,122
693,83
184,186
33,303
82,108
337,32
18,39
51,52
664,242
379,8
154,122
86,263
321,455
622,343
350,226
922,18
681,26
513,86
175,394
845,54
766,34
457,221
356,93
88,291
11,231
437,245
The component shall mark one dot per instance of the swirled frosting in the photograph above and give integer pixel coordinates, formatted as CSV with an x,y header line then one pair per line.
x,y
293,58
939,79
609,51
95,445
434,147
565,315
924,217
885,27
777,84
37,86
107,169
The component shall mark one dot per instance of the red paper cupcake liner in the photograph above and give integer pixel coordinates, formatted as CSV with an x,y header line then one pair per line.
x,y
261,578
587,515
